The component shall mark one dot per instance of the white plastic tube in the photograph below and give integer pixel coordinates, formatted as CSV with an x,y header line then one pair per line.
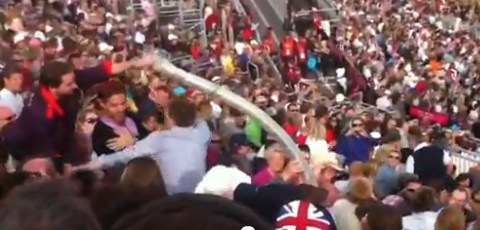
x,y
163,65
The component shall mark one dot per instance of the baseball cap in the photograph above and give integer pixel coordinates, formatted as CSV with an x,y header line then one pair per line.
x,y
316,218
239,139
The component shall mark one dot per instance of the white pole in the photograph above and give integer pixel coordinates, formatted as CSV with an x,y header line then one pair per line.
x,y
163,65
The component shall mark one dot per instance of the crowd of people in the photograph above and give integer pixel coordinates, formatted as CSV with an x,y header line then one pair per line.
x,y
93,137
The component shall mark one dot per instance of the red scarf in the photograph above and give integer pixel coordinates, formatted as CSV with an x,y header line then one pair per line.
x,y
53,108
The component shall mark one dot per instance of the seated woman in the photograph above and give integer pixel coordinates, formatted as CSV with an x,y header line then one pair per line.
x,y
115,127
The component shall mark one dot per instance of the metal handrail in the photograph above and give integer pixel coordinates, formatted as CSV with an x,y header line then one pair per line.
x,y
268,58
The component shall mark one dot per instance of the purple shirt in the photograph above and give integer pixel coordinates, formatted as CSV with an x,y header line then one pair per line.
x,y
262,178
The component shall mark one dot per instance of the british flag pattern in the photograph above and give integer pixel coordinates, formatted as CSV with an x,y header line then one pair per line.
x,y
302,215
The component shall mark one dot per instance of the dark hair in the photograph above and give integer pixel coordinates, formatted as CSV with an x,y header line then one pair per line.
x,y
382,217
52,73
86,179
315,195
304,148
182,112
423,200
48,205
461,177
107,89
202,211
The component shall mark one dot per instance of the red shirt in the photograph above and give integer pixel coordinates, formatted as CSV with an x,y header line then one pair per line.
x,y
195,51
247,33
302,138
291,129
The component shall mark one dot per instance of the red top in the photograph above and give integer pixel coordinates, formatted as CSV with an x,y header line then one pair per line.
x,y
247,33
302,138
291,129
195,51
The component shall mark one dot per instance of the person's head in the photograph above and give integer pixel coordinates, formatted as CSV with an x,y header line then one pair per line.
x,y
458,197
276,156
238,117
361,189
204,109
382,217
392,138
181,112
355,169
239,144
292,109
59,78
203,211
357,125
161,95
51,205
325,167
142,173
112,100
44,167
12,78
394,159
450,218
410,186
423,200
463,180
321,114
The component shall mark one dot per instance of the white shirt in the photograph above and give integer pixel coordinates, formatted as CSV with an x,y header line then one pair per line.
x,y
317,146
12,100
420,221
410,165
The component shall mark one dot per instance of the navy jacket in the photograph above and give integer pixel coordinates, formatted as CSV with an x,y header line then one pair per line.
x,y
43,131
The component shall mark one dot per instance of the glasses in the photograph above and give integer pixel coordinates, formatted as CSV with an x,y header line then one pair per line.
x,y
294,110
357,124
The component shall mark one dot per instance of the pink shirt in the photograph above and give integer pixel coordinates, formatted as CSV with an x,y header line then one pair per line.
x,y
262,178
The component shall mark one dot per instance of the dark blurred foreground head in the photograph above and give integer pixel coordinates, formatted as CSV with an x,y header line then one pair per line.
x,y
48,205
191,211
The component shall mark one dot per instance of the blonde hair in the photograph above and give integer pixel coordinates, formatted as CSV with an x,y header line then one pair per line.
x,y
361,189
450,218
317,131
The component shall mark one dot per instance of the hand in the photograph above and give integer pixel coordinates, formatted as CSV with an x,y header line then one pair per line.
x,y
292,171
145,61
123,140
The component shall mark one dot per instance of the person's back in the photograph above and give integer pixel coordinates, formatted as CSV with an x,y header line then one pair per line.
x,y
429,164
180,154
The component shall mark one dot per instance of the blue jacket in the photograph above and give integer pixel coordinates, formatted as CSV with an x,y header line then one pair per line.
x,y
354,148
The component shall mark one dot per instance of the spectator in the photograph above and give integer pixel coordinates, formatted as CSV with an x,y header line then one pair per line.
x,y
384,217
344,209
142,175
355,171
428,162
422,217
325,168
276,159
450,218
10,95
168,147
355,145
403,199
386,180
59,204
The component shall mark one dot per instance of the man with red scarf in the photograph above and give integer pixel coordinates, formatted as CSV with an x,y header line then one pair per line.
x,y
45,128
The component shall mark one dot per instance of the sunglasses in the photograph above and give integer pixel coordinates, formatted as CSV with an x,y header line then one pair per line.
x,y
10,118
294,110
357,124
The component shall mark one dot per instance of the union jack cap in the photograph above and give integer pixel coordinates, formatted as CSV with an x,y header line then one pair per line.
x,y
302,215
